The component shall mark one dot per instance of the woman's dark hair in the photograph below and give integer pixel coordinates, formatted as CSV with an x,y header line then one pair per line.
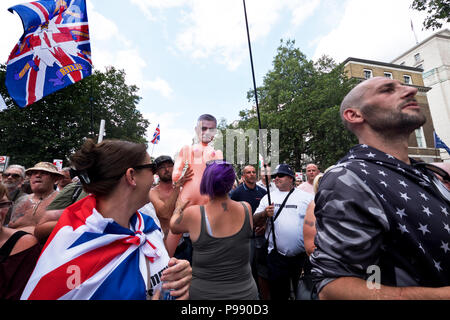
x,y
218,179
105,163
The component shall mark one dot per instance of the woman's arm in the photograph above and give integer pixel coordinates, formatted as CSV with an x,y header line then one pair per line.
x,y
178,223
309,229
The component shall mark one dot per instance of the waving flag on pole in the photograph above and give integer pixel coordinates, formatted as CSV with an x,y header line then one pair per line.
x,y
53,52
438,143
156,136
89,257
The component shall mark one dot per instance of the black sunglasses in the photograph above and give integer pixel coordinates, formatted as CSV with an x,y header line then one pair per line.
x,y
210,162
279,175
435,169
150,166
5,204
14,175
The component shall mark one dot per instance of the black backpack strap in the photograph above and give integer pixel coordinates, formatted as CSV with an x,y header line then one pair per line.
x,y
6,249
272,220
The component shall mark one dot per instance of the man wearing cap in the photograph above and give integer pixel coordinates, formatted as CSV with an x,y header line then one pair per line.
x,y
284,231
164,196
31,209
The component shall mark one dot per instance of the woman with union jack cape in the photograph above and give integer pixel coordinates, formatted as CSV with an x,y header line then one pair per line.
x,y
103,247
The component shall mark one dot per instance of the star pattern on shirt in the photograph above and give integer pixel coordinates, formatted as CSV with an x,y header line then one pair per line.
x,y
382,173
444,211
404,196
401,213
445,246
402,228
427,211
447,227
437,265
423,228
403,183
419,216
423,196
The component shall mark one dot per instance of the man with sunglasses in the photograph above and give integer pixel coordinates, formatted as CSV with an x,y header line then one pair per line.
x,y
284,218
13,178
383,219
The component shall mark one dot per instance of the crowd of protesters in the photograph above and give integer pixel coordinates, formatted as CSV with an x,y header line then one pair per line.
x,y
258,239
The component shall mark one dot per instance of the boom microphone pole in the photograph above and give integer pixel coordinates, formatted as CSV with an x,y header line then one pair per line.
x,y
256,99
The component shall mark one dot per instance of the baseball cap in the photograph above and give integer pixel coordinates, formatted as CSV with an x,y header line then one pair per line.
x,y
284,169
161,159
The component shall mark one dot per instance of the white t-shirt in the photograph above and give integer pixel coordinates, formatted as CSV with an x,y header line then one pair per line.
x,y
289,224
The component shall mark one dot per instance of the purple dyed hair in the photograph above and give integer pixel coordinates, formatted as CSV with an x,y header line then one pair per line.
x,y
218,179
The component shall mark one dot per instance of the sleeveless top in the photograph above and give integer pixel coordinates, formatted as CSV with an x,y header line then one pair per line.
x,y
221,266
16,269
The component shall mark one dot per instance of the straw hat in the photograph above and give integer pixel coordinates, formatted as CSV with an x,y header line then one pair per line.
x,y
45,166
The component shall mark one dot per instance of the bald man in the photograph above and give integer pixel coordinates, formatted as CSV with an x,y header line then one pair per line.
x,y
383,220
311,172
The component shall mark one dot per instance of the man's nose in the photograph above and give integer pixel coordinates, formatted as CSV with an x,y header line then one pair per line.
x,y
410,91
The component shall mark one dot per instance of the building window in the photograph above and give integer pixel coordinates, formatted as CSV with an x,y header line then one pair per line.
x,y
367,74
417,57
388,75
407,79
420,137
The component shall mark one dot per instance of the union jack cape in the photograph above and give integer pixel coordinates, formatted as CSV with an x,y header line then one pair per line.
x,y
53,52
89,257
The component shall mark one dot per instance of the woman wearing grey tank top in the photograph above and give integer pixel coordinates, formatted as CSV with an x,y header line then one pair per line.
x,y
220,232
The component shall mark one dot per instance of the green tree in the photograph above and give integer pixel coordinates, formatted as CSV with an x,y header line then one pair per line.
x,y
301,98
57,125
438,12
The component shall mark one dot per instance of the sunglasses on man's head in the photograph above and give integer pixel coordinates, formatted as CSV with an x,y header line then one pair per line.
x,y
14,175
210,162
5,204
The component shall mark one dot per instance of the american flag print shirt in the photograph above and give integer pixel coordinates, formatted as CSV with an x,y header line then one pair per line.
x,y
375,210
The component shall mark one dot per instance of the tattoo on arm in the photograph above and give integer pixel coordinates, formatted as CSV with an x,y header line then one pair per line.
x,y
180,218
224,206
310,223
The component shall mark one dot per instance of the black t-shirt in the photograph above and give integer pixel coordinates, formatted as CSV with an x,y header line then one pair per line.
x,y
252,196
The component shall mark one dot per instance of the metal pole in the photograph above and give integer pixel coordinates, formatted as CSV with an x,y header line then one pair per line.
x,y
256,99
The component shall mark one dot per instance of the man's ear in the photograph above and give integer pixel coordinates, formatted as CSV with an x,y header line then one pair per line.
x,y
353,116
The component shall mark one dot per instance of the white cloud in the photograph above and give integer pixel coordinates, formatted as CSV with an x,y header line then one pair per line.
x,y
378,30
128,57
173,138
160,85
216,28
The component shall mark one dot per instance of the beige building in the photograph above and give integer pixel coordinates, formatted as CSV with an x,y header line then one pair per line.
x,y
432,56
421,142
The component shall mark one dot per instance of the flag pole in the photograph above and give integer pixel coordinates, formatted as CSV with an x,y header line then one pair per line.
x,y
256,100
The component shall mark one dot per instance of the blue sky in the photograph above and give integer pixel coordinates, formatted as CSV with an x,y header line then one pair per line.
x,y
190,57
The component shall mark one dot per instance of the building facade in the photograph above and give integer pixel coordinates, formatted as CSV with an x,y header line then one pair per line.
x,y
432,56
421,142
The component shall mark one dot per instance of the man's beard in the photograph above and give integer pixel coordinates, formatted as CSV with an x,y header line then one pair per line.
x,y
167,178
10,185
395,121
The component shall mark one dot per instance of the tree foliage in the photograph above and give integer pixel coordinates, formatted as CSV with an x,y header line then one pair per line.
x,y
438,12
57,125
301,98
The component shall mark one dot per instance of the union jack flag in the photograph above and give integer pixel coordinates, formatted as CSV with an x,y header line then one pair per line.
x,y
156,136
89,257
53,52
